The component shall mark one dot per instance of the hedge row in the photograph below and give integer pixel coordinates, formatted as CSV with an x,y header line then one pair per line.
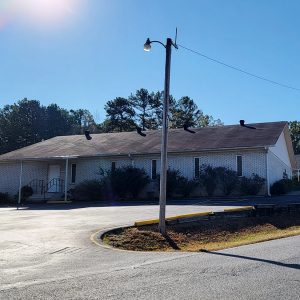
x,y
128,183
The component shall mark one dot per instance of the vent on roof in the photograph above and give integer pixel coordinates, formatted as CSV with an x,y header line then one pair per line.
x,y
139,131
242,123
186,128
87,135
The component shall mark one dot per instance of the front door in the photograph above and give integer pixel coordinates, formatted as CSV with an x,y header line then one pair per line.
x,y
53,178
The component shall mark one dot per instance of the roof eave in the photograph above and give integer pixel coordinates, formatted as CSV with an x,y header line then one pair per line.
x,y
133,153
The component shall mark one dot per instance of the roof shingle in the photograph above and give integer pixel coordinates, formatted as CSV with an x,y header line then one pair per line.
x,y
123,143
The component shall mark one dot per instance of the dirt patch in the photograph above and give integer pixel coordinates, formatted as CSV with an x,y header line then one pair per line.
x,y
204,235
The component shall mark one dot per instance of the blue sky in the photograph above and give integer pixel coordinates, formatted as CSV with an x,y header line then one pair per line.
x,y
82,53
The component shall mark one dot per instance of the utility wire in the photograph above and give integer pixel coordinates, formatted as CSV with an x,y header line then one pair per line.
x,y
238,69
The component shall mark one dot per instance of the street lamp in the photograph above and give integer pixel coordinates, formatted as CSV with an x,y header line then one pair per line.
x,y
164,137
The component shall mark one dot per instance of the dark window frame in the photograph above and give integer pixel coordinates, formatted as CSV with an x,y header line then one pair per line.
x,y
239,165
113,166
196,167
153,169
73,172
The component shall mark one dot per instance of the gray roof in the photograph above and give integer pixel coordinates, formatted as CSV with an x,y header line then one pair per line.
x,y
123,143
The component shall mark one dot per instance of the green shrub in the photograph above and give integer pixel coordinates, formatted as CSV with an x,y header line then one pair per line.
x,y
173,178
282,186
89,190
178,184
186,186
4,198
296,184
208,179
252,185
126,182
228,179
26,192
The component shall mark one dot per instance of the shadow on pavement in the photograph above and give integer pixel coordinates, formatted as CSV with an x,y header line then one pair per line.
x,y
241,201
277,263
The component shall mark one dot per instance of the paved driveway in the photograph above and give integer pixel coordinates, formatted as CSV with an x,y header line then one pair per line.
x,y
46,253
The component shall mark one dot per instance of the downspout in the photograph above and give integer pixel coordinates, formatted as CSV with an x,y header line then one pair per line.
x,y
20,184
66,179
267,172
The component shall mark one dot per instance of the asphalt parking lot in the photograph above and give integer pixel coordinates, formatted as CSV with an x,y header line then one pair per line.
x,y
43,247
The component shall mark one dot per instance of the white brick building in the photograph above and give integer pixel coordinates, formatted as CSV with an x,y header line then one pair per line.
x,y
265,149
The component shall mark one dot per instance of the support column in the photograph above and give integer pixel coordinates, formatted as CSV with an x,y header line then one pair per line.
x,y
268,174
164,144
66,179
20,184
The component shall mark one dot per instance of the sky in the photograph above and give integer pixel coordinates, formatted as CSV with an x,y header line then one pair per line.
x,y
83,53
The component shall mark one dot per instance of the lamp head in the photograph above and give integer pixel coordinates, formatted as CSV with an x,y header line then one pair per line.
x,y
147,45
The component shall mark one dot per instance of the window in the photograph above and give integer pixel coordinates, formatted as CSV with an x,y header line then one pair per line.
x,y
197,167
153,169
239,165
73,173
113,166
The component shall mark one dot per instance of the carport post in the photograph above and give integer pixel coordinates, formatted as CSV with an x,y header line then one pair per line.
x,y
20,184
66,179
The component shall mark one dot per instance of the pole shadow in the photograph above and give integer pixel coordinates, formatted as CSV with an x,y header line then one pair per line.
x,y
171,242
277,263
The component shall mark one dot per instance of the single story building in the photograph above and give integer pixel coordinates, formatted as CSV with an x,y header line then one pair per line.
x,y
58,164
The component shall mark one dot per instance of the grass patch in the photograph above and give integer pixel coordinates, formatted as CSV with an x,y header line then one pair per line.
x,y
205,235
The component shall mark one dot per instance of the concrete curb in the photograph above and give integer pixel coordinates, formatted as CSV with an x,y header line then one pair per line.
x,y
97,239
193,215
239,209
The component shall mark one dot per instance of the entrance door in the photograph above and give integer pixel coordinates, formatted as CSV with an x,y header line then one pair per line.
x,y
53,178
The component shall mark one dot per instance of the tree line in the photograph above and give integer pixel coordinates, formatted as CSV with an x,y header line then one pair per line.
x,y
27,121
144,109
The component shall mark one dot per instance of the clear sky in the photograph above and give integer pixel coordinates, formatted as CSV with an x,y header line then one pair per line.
x,y
82,53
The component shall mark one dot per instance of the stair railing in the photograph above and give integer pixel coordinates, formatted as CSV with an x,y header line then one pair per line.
x,y
55,183
37,186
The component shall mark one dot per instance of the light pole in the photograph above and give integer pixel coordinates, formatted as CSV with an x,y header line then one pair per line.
x,y
164,137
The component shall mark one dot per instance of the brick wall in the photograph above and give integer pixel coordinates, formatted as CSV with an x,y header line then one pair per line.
x,y
10,175
277,168
87,169
253,162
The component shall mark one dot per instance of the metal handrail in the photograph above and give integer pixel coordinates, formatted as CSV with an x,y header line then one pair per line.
x,y
57,182
37,186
